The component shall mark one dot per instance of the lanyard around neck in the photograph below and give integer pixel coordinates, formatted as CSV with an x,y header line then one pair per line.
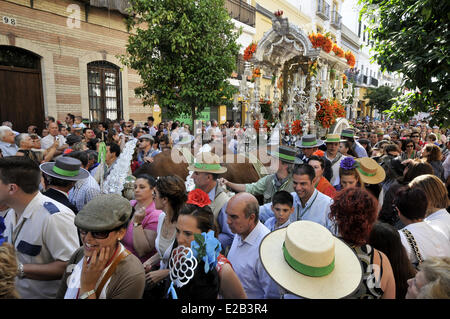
x,y
306,208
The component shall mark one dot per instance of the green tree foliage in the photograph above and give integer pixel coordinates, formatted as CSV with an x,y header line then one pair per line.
x,y
184,51
381,98
412,37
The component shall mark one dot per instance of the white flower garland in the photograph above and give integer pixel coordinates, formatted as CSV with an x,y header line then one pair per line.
x,y
116,179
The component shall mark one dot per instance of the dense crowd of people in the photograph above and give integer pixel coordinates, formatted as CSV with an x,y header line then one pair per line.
x,y
361,215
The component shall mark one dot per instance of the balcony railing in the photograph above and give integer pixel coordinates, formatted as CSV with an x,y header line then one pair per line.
x,y
241,11
336,19
323,10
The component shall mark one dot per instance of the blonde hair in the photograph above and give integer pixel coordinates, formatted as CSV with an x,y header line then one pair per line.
x,y
437,273
8,272
435,190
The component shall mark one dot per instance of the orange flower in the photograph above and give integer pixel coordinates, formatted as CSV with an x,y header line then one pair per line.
x,y
327,45
338,51
249,51
256,73
328,112
350,59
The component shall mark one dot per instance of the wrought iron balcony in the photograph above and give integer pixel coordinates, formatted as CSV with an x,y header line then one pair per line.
x,y
241,11
323,10
336,20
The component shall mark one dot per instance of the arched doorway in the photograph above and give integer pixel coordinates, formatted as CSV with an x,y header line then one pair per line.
x,y
21,97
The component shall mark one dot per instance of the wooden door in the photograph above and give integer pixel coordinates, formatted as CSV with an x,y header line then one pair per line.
x,y
21,98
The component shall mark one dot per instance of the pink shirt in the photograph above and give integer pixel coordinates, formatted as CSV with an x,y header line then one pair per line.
x,y
150,222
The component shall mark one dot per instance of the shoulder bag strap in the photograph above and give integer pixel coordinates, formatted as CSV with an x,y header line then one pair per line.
x,y
413,244
110,271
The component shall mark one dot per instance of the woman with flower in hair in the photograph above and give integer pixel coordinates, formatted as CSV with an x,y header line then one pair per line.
x,y
348,175
195,229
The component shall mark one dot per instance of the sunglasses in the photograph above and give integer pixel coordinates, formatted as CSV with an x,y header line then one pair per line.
x,y
409,145
414,135
97,234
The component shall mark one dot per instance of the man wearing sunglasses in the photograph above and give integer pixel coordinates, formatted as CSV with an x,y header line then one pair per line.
x,y
41,229
127,130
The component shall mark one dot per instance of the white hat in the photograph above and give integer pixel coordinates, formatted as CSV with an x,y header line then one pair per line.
x,y
308,261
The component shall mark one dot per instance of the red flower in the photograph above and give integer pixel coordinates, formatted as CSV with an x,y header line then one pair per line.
x,y
248,53
198,197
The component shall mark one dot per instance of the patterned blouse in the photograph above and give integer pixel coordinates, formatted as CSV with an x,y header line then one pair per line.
x,y
370,286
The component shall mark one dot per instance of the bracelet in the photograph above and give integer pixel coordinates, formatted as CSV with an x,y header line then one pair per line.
x,y
20,272
87,294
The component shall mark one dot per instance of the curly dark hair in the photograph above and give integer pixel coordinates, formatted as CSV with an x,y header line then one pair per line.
x,y
354,211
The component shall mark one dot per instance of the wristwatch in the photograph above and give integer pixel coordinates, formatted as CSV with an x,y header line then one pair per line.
x,y
20,272
137,224
87,294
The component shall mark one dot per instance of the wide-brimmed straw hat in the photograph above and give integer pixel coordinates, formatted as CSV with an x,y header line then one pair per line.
x,y
308,261
67,168
308,141
286,154
207,162
348,133
370,171
334,138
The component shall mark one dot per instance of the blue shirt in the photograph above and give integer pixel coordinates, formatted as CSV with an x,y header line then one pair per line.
x,y
83,191
244,256
271,224
359,150
8,149
316,210
225,236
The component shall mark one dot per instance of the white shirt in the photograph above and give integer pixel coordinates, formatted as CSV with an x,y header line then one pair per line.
x,y
446,166
48,141
440,221
45,233
316,210
163,245
335,180
429,242
244,256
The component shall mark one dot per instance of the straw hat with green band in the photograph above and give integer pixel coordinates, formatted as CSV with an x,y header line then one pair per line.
x,y
334,138
286,154
308,261
370,171
308,141
348,133
67,168
207,162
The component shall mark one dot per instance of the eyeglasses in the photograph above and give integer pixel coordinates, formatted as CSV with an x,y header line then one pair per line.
x,y
97,234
